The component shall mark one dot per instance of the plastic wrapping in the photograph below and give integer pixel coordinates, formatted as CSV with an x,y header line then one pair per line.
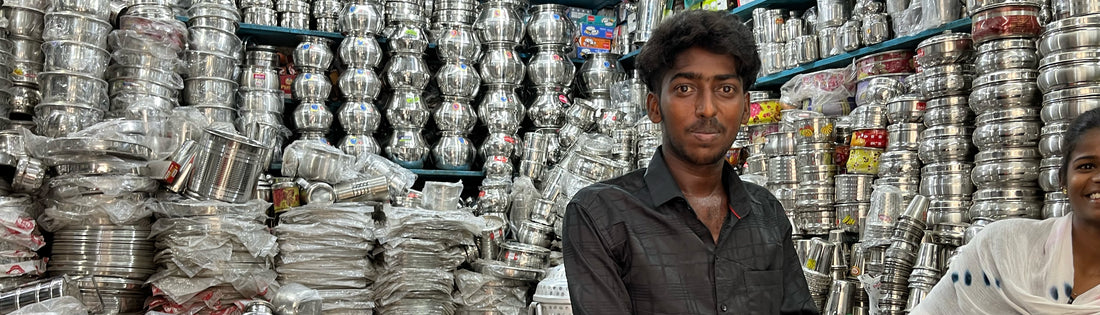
x,y
252,234
373,165
908,21
161,36
65,305
887,203
395,286
481,291
182,289
442,196
451,227
445,259
316,161
524,195
69,186
294,298
826,91
124,209
346,301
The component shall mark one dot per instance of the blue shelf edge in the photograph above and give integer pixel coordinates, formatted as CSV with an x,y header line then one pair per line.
x,y
451,173
896,43
630,56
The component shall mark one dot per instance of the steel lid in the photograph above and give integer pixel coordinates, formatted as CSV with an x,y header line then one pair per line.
x,y
1003,44
1004,76
947,36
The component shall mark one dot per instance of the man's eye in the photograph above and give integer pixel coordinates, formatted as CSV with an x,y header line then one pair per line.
x,y
1086,166
683,89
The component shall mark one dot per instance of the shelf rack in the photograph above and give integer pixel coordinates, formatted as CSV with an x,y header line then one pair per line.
x,y
745,10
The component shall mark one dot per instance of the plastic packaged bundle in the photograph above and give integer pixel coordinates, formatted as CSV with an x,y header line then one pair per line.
x,y
449,227
65,305
442,196
316,161
476,291
401,179
887,203
826,91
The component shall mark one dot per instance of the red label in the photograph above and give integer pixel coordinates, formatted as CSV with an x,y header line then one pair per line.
x,y
501,159
285,198
16,269
873,138
170,174
481,194
509,139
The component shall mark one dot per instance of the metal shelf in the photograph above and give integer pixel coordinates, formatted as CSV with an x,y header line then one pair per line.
x,y
447,173
587,4
745,11
907,42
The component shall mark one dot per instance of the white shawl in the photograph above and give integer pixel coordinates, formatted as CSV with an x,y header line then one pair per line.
x,y
1014,266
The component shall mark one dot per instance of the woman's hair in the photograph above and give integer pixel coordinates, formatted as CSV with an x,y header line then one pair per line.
x,y
1087,121
714,31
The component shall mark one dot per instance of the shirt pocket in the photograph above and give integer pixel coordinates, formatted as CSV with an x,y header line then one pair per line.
x,y
765,290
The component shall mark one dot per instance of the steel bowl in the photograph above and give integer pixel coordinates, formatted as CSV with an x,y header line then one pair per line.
x,y
168,79
1004,172
951,178
360,51
944,49
24,22
214,40
899,163
135,86
73,87
61,119
210,64
1049,179
946,148
905,109
1069,33
1069,69
948,115
359,84
75,27
1016,53
267,101
1051,139
1004,95
946,80
1067,104
210,91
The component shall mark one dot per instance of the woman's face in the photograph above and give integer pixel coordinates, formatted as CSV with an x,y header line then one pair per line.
x,y
1083,176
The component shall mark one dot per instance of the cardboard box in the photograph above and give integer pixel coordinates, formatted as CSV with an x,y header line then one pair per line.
x,y
581,51
598,31
594,42
597,20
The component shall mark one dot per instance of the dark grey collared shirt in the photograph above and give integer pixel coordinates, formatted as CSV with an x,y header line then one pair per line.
x,y
633,245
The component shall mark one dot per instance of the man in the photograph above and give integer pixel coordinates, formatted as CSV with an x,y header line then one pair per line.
x,y
686,236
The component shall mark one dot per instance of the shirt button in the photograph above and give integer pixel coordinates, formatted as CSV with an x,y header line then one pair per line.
x,y
723,307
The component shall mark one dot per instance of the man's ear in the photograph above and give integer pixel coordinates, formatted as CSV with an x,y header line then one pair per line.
x,y
653,107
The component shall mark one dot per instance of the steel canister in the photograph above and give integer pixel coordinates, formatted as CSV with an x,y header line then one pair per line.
x,y
284,194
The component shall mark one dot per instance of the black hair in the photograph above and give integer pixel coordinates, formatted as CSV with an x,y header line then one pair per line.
x,y
715,31
1086,121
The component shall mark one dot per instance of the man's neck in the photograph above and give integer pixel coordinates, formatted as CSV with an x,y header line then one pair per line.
x,y
694,180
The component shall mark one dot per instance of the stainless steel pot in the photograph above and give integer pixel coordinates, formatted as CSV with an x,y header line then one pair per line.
x,y
226,167
944,148
899,163
1006,208
868,117
947,115
360,19
407,148
904,137
1069,69
459,79
951,178
210,64
360,51
258,78
500,101
453,151
523,255
24,22
947,80
499,24
803,49
945,49
1016,53
313,53
210,91
61,119
780,143
905,109
1053,208
73,87
850,39
458,41
1005,172
599,72
547,110
1069,34
501,64
1006,94
359,144
407,37
214,40
259,16
407,71
359,117
828,39
878,89
455,114
309,116
500,144
267,101
782,169
550,24
311,87
359,84
406,109
876,28
1067,104
550,66
75,56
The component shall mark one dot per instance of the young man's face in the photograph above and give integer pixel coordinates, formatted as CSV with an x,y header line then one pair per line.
x,y
701,105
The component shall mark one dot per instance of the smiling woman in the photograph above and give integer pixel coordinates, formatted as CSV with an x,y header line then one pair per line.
x,y
1035,267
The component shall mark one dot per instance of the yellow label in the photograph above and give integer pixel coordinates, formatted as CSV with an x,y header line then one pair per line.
x,y
811,263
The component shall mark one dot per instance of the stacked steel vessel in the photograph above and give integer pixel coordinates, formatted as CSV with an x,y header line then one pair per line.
x,y
359,83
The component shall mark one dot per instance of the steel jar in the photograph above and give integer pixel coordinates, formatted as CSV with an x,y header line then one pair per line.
x,y
360,51
359,84
1016,53
550,24
501,65
453,151
499,24
945,49
550,66
457,78
226,167
950,178
407,70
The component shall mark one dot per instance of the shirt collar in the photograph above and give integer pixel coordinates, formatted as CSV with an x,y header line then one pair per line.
x,y
663,188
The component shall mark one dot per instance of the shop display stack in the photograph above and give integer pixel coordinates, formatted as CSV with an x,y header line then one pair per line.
x,y
836,34
312,87
293,13
214,245
550,71
500,28
485,293
325,13
1063,100
825,264
782,169
946,148
328,248
453,13
649,137
24,28
212,58
74,94
770,32
1006,167
260,103
97,207
259,12
458,48
421,249
20,242
801,46
359,82
756,161
928,268
900,258
814,211
143,81
407,75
